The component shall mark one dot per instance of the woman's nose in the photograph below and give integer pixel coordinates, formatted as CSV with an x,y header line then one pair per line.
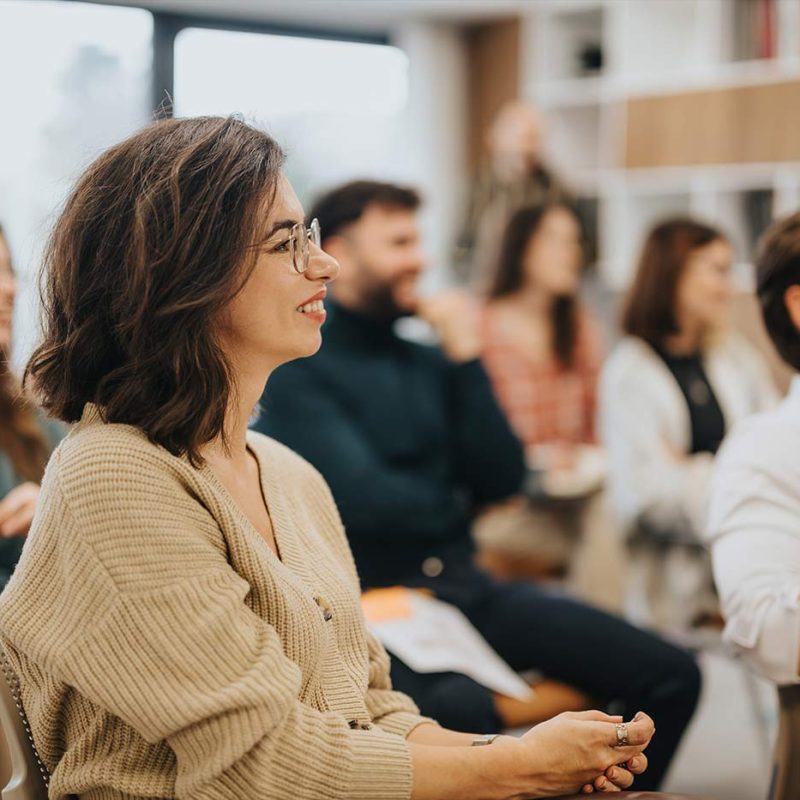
x,y
322,266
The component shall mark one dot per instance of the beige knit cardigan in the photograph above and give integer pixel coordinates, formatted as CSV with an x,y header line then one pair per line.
x,y
165,651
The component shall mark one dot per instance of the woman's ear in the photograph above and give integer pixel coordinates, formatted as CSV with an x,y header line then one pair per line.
x,y
792,299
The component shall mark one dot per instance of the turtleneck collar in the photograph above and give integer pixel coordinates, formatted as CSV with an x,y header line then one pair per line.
x,y
354,327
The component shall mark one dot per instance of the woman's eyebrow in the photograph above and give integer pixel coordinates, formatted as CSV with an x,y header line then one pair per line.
x,y
282,224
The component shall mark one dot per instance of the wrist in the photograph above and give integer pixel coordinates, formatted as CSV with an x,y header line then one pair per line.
x,y
505,769
462,352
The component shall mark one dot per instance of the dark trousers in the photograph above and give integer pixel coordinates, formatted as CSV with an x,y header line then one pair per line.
x,y
622,668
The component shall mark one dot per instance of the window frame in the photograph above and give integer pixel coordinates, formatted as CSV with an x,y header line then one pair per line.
x,y
167,26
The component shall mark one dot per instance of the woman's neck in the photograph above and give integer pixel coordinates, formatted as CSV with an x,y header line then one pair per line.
x,y
533,300
686,342
241,405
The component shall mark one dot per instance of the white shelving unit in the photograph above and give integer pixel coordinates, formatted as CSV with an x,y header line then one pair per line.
x,y
582,59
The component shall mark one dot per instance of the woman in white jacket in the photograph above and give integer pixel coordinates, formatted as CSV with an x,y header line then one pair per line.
x,y
676,383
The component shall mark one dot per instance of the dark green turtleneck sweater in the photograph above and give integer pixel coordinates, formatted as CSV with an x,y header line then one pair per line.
x,y
409,442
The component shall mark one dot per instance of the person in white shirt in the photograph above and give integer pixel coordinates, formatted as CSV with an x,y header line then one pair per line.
x,y
754,519
673,387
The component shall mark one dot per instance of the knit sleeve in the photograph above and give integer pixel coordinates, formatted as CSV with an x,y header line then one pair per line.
x,y
169,645
193,666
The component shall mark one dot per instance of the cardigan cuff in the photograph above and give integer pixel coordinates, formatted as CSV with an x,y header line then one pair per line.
x,y
381,766
401,723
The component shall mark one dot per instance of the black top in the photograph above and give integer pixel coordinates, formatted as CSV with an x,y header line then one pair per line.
x,y
705,414
409,442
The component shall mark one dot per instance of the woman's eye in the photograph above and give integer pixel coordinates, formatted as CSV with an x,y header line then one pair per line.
x,y
283,247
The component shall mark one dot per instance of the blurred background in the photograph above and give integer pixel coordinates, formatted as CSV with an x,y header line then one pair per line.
x,y
644,108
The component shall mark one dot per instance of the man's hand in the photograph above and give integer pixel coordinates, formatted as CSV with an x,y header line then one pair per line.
x,y
17,509
455,317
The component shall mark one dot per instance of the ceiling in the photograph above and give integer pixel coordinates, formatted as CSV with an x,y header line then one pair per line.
x,y
364,15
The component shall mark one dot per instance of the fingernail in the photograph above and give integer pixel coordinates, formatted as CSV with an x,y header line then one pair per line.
x,y
600,783
638,716
612,774
633,763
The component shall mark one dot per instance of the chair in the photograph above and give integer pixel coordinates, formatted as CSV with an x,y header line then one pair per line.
x,y
786,772
29,777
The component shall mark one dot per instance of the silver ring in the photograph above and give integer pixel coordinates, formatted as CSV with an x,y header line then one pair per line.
x,y
622,734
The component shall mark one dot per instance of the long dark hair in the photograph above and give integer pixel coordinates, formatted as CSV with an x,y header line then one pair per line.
x,y
21,438
159,234
650,308
509,277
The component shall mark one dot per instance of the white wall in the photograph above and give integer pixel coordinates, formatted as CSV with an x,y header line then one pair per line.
x,y
435,132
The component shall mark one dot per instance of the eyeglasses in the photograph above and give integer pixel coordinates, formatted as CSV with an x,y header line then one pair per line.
x,y
299,239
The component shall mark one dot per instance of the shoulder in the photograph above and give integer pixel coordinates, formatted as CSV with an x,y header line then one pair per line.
x,y
99,465
757,469
760,442
735,348
629,357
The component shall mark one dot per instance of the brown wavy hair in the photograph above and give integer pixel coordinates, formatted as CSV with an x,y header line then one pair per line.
x,y
509,277
778,268
158,236
21,437
650,307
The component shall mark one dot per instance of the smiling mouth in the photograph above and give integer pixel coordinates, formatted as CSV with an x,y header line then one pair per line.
x,y
312,308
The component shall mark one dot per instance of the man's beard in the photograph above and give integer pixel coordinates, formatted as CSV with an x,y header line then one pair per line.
x,y
379,303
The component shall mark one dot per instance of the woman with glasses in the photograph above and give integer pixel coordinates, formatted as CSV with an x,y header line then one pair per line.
x,y
26,438
185,620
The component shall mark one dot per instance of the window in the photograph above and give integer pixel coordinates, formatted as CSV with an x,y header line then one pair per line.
x,y
80,81
334,105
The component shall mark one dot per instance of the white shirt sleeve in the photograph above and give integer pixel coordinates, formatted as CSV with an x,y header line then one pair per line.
x,y
754,529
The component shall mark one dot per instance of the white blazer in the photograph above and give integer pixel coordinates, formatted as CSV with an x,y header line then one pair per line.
x,y
754,530
644,424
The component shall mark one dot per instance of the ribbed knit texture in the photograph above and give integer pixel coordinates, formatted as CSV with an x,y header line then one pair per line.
x,y
165,651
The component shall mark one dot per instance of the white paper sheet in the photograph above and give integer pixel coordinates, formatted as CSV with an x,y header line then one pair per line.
x,y
439,638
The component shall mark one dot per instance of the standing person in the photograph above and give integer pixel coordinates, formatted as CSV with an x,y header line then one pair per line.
x,y
26,438
543,353
514,176
755,493
671,390
185,619
413,443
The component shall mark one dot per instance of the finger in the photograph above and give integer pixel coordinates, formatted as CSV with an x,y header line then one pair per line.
x,y
587,788
619,755
639,732
9,505
620,776
602,784
19,523
637,765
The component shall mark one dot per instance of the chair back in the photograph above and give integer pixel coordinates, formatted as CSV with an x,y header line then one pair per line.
x,y
786,772
29,777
